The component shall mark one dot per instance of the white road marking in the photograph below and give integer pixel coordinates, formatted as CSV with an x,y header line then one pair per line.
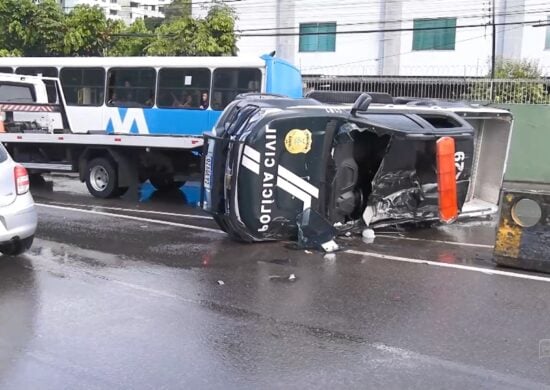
x,y
134,210
438,241
482,270
156,221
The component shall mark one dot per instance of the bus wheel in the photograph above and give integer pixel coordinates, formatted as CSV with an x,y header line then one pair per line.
x,y
101,178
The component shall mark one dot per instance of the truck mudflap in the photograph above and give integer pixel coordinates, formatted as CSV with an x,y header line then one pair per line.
x,y
523,235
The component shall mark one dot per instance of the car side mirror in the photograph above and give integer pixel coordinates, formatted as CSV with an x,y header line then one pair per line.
x,y
361,104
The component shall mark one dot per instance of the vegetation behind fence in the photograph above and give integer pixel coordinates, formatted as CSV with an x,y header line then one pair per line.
x,y
505,91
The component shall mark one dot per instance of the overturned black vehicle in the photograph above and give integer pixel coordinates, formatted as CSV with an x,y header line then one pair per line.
x,y
270,159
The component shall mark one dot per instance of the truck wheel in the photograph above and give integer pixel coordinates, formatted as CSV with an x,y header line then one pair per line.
x,y
101,178
17,247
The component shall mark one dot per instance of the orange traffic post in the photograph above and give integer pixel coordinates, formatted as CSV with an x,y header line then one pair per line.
x,y
2,119
446,180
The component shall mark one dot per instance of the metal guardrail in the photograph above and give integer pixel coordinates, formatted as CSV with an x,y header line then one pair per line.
x,y
505,91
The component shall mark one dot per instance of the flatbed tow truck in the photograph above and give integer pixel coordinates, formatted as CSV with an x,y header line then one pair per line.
x,y
38,135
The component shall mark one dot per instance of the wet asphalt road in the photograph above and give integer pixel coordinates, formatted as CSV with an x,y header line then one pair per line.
x,y
118,295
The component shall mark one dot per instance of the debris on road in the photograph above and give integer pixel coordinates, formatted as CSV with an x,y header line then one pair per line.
x,y
315,232
283,278
368,236
221,282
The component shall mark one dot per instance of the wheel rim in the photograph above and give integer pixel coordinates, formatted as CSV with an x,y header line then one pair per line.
x,y
99,178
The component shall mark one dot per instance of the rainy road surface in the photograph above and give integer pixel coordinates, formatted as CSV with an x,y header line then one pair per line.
x,y
119,295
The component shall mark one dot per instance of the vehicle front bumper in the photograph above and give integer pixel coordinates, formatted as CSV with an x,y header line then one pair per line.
x,y
18,220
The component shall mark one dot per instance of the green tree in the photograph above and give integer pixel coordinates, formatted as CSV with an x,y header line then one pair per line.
x,y
129,40
87,31
153,23
17,18
185,36
177,9
49,24
516,81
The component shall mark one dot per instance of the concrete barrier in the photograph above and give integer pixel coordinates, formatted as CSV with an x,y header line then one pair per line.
x,y
523,234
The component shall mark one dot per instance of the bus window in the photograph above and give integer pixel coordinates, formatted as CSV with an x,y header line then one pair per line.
x,y
83,86
6,70
183,88
229,82
131,87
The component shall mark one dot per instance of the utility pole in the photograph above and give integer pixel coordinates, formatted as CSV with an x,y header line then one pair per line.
x,y
494,48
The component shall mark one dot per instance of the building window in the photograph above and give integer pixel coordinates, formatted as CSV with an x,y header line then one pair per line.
x,y
547,44
317,37
434,34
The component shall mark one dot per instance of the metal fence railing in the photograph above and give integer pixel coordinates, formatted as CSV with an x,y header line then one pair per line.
x,y
519,91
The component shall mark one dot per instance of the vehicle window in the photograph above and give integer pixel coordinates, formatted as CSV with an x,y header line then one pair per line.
x,y
131,87
83,86
17,93
3,153
42,71
184,88
6,70
230,82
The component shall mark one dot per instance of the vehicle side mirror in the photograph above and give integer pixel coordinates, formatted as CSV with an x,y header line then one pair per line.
x,y
361,104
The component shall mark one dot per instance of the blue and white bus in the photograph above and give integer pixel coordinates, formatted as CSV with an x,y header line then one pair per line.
x,y
156,95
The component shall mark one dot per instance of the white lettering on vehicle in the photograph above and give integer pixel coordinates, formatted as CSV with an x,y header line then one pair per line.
x,y
268,181
459,163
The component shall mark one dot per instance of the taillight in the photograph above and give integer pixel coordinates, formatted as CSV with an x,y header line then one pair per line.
x,y
21,180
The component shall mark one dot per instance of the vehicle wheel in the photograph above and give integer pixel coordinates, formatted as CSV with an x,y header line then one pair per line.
x,y
101,178
17,247
164,182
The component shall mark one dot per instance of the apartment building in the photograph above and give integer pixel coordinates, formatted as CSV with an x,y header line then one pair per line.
x,y
126,10
394,37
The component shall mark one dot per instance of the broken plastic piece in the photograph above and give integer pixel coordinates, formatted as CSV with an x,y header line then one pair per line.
x,y
292,277
369,233
221,282
314,231
330,246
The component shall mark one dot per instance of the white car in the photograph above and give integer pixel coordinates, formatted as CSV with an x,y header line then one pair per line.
x,y
18,217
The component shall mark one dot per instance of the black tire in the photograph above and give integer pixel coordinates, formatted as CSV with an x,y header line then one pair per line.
x,y
165,182
102,178
18,247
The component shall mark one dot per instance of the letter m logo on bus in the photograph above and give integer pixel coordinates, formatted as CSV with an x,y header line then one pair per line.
x,y
126,120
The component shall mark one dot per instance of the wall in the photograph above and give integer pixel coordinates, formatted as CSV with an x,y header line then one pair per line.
x,y
472,48
528,158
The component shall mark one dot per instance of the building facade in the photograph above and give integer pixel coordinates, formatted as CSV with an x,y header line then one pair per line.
x,y
394,37
125,10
